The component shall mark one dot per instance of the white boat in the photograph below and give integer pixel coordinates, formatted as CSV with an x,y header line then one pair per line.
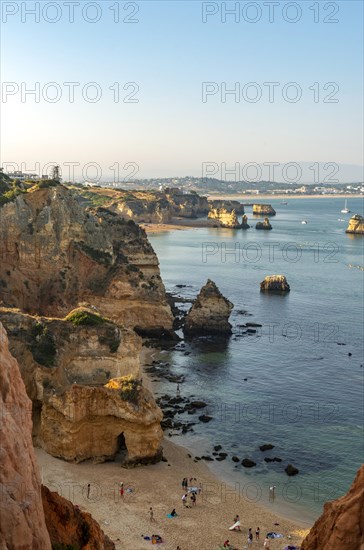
x,y
345,210
283,202
304,222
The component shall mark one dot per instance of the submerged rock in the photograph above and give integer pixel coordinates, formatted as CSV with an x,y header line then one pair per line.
x,y
247,463
291,470
356,225
266,447
209,313
274,283
341,525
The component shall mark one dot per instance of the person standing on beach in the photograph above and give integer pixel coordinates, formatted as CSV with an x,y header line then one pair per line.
x,y
257,533
250,538
266,543
184,499
151,515
121,489
271,492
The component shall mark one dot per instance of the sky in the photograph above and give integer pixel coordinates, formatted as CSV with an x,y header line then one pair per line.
x,y
150,82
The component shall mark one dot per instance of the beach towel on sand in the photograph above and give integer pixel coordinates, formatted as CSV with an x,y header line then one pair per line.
x,y
170,516
235,526
274,535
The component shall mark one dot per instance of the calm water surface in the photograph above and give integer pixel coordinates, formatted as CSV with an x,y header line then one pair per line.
x,y
303,393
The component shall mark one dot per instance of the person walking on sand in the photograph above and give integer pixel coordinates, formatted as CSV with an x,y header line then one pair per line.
x,y
151,515
257,533
121,489
88,490
266,543
271,492
184,499
250,538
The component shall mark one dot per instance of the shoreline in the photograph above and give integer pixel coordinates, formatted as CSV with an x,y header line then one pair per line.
x,y
283,510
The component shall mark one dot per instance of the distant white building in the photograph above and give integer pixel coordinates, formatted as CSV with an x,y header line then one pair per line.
x,y
19,175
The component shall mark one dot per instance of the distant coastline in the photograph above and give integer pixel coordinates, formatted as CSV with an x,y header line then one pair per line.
x,y
263,198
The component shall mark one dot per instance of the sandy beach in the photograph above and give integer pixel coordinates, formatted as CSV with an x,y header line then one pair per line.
x,y
125,519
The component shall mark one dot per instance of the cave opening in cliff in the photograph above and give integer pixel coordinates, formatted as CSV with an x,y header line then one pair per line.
x,y
122,450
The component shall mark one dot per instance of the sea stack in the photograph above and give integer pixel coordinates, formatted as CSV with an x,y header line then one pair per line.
x,y
209,313
227,218
274,283
263,210
356,225
264,225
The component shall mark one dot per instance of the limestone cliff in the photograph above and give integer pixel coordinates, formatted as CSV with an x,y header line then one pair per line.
x,y
87,350
209,313
264,225
227,218
227,204
67,525
119,420
341,525
274,283
187,205
356,225
22,522
263,210
55,254
142,210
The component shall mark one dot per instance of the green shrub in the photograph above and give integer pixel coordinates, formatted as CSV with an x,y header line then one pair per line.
x,y
43,346
82,317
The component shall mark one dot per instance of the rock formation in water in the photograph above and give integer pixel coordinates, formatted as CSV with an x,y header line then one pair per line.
x,y
263,210
22,522
341,525
68,527
226,218
274,283
356,225
227,205
67,365
55,254
209,313
264,225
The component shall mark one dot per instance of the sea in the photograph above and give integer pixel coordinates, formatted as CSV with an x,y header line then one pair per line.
x,y
296,383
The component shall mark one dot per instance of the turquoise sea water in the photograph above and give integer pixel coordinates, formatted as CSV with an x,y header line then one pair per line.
x,y
304,393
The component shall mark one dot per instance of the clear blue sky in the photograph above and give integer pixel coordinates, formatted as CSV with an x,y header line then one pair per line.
x,y
169,53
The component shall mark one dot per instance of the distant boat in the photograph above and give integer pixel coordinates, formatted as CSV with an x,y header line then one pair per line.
x,y
304,222
340,220
283,202
345,210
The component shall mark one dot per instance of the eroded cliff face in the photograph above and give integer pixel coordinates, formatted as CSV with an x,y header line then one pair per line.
x,y
356,225
65,367
187,205
22,522
209,313
55,254
226,218
67,525
144,211
341,525
263,210
227,204
99,423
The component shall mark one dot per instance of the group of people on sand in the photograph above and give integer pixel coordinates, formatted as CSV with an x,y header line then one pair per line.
x,y
237,527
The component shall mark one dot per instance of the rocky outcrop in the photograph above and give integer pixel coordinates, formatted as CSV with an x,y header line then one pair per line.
x,y
341,525
68,525
117,421
356,225
186,205
209,313
274,283
55,254
70,361
227,205
226,218
144,210
22,522
263,210
264,225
